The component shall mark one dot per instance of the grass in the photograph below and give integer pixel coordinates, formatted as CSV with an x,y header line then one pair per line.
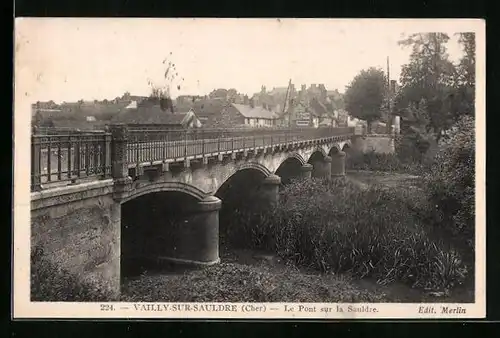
x,y
243,278
50,283
232,282
337,226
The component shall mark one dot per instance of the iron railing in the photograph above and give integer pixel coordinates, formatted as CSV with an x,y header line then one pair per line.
x,y
69,157
76,156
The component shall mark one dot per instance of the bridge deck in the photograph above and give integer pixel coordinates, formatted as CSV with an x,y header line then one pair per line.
x,y
88,157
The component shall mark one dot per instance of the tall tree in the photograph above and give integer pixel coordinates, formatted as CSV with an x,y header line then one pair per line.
x,y
466,76
428,78
221,92
365,95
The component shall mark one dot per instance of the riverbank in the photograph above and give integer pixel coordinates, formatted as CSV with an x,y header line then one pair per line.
x,y
252,276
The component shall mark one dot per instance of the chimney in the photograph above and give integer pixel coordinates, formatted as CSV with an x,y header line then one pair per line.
x,y
246,100
251,103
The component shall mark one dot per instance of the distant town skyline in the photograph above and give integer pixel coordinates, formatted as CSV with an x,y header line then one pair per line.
x,y
94,59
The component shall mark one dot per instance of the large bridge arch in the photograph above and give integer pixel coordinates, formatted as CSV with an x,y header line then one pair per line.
x,y
293,166
315,154
296,156
156,187
243,194
220,177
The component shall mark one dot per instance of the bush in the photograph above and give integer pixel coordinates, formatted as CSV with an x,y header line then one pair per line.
x,y
50,282
382,162
335,226
451,182
413,146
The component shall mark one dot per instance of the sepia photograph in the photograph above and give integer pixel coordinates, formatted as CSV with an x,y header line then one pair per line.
x,y
249,168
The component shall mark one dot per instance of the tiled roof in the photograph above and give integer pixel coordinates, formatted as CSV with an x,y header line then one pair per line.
x,y
209,107
93,109
78,124
149,115
256,112
278,90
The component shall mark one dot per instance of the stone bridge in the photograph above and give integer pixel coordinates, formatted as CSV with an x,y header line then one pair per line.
x,y
103,200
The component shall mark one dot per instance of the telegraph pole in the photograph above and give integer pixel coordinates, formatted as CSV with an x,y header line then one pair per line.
x,y
389,98
284,104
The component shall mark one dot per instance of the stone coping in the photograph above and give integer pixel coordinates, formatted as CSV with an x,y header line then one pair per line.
x,y
70,189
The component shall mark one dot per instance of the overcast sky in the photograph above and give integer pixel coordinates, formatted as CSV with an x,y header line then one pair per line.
x,y
71,59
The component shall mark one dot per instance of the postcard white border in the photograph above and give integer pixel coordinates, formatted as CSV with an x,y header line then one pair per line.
x,y
24,308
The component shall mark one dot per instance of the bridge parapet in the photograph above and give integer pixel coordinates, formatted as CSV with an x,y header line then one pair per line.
x,y
59,159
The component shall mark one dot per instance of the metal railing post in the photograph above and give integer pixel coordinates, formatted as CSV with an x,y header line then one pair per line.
x,y
106,163
185,143
203,143
77,164
36,170
119,135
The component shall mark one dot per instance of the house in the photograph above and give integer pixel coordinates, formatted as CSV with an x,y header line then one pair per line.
x,y
212,112
153,116
255,116
299,114
218,112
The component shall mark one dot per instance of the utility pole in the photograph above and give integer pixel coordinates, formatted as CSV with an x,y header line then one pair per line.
x,y
389,99
285,103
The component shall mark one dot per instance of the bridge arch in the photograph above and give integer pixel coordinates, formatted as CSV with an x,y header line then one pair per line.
x,y
224,176
255,166
155,187
335,149
315,154
157,223
291,168
296,156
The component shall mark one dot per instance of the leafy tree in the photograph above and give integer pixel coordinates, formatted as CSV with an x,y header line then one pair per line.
x,y
467,65
221,92
162,93
429,77
364,96
466,76
451,182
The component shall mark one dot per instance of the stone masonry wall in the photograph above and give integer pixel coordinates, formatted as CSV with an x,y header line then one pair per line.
x,y
82,237
381,144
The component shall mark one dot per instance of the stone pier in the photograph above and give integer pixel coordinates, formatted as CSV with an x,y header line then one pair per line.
x,y
269,191
322,169
306,171
338,164
198,235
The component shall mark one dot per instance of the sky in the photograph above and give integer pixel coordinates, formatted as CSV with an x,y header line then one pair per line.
x,y
63,59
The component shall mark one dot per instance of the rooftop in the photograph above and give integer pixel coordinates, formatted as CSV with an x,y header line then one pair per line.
x,y
150,115
255,112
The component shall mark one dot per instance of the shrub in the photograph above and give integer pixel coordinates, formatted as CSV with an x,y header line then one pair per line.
x,y
382,162
335,226
451,181
50,282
